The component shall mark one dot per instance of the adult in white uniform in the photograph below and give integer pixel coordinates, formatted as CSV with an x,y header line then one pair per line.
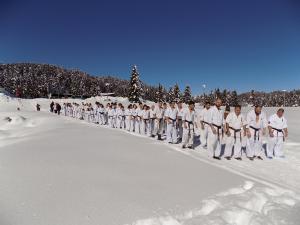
x,y
110,115
171,119
133,118
256,129
278,132
204,124
145,121
215,132
189,125
128,117
101,113
159,124
181,111
235,131
152,121
138,120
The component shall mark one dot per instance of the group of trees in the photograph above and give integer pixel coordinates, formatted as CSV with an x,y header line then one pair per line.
x,y
275,98
136,90
30,80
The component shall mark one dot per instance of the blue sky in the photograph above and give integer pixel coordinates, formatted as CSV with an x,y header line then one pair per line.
x,y
233,44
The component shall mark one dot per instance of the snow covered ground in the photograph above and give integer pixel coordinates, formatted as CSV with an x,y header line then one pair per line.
x,y
56,170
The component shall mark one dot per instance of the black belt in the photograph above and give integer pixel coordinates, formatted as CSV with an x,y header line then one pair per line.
x,y
189,125
279,131
173,120
205,122
256,133
219,128
236,131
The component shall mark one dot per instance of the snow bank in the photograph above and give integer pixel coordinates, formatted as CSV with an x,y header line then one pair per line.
x,y
248,204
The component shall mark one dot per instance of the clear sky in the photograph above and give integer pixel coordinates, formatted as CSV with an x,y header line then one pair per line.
x,y
234,44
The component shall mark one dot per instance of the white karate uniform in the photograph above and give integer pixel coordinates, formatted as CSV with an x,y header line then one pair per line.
x,y
189,120
145,123
204,116
120,118
254,143
111,114
234,141
128,115
171,114
133,120
180,122
152,122
276,143
159,124
214,140
101,115
138,121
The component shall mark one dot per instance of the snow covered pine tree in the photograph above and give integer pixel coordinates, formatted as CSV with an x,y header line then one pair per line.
x,y
177,94
134,89
187,95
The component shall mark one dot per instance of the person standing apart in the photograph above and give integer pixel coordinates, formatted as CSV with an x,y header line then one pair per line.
x,y
278,132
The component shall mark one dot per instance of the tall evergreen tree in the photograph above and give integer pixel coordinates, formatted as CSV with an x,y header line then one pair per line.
x,y
170,96
134,89
187,95
159,94
177,94
234,100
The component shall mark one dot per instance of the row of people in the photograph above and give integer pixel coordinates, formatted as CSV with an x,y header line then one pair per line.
x,y
221,133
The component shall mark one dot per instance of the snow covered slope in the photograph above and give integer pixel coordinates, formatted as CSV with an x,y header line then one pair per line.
x,y
56,170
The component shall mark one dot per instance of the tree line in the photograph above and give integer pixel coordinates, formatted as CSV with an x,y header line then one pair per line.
x,y
29,80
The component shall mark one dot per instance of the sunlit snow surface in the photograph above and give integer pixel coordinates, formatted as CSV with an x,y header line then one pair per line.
x,y
57,170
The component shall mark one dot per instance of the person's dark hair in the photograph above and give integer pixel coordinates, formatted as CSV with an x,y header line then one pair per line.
x,y
257,105
238,106
227,108
191,103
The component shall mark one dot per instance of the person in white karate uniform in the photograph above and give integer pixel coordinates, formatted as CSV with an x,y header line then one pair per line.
x,y
128,117
110,115
138,120
235,131
204,124
145,121
106,112
101,114
171,119
256,129
215,132
189,124
152,121
133,117
180,120
119,116
278,132
159,123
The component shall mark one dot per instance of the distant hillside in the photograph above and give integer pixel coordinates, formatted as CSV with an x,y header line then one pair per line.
x,y
29,80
